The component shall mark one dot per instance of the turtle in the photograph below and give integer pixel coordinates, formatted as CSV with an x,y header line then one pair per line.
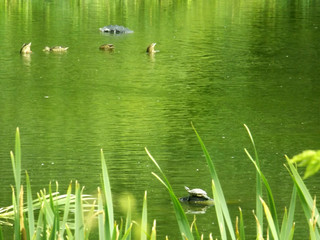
x,y
107,47
26,48
150,48
197,192
55,49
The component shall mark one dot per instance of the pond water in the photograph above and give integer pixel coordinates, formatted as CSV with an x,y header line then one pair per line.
x,y
221,64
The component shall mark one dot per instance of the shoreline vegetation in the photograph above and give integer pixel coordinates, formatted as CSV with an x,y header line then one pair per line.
x,y
75,215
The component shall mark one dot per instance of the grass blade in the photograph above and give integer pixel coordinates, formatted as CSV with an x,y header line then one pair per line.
x,y
101,217
286,228
66,210
16,166
1,233
127,234
30,207
219,212
144,219
218,187
79,224
194,225
69,233
153,231
304,195
128,222
108,198
241,232
180,214
270,220
259,208
259,230
273,210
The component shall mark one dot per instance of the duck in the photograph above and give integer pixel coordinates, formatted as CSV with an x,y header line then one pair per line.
x,y
26,48
106,47
150,48
55,49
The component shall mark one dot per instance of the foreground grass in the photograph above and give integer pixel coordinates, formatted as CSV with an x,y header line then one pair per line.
x,y
72,215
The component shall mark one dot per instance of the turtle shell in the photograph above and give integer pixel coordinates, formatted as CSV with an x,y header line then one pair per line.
x,y
196,192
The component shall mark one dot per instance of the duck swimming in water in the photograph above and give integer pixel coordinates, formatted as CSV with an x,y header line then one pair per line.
x,y
26,48
151,49
55,49
107,47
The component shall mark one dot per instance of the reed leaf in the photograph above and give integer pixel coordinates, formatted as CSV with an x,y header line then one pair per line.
x,y
66,210
128,221
273,210
259,208
194,225
288,218
16,215
37,234
304,195
101,217
16,166
271,222
109,217
44,227
49,214
31,222
179,212
16,162
241,227
144,219
153,231
55,228
1,233
79,223
312,231
219,212
89,220
259,229
69,233
290,236
218,187
127,233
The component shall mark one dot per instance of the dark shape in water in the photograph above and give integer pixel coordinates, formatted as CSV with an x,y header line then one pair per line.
x,y
194,200
116,29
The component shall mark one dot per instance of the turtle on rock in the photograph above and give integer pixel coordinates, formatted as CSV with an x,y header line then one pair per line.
x,y
197,192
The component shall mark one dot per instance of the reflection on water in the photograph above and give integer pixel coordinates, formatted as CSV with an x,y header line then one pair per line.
x,y
221,64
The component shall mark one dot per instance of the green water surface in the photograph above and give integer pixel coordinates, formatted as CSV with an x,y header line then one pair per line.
x,y
221,64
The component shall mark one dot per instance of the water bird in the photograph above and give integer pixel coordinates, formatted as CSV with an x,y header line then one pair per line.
x,y
150,48
55,49
26,48
107,47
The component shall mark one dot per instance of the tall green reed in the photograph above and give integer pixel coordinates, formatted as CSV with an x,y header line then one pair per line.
x,y
51,225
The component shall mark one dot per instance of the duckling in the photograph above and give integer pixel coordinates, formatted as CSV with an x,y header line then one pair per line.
x,y
106,47
55,49
26,48
150,48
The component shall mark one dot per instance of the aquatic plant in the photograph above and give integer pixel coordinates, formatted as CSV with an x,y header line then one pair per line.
x,y
283,231
79,211
72,216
